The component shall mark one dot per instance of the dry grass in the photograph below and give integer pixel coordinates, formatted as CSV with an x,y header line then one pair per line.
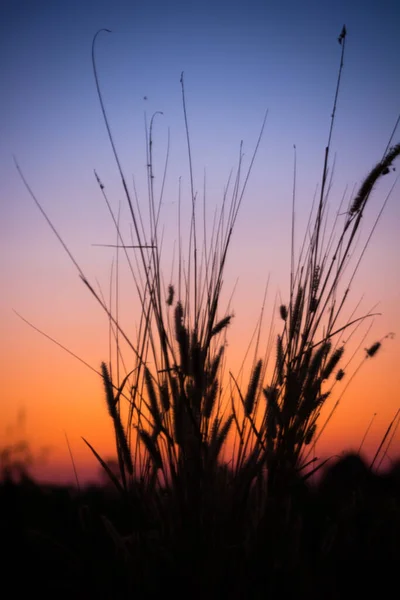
x,y
170,415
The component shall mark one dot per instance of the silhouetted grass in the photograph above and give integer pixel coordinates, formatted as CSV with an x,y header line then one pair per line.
x,y
181,517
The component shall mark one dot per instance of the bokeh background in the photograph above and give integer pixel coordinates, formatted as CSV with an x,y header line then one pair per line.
x,y
239,59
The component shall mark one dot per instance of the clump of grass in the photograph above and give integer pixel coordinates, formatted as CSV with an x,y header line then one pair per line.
x,y
171,415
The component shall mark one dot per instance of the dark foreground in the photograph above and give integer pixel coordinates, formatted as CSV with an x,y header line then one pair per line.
x,y
324,541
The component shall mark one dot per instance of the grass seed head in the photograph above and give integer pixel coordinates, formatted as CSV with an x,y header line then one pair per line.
x,y
283,312
372,350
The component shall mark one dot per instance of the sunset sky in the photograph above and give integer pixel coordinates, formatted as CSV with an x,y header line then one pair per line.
x,y
239,59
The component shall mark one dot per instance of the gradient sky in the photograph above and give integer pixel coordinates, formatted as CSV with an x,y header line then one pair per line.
x,y
239,59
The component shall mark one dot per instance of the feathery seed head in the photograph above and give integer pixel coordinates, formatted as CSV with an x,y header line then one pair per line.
x,y
381,168
283,312
178,319
222,324
332,362
252,389
372,350
280,360
310,434
171,293
340,375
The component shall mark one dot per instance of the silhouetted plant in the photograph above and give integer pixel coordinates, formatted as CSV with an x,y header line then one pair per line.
x,y
175,408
